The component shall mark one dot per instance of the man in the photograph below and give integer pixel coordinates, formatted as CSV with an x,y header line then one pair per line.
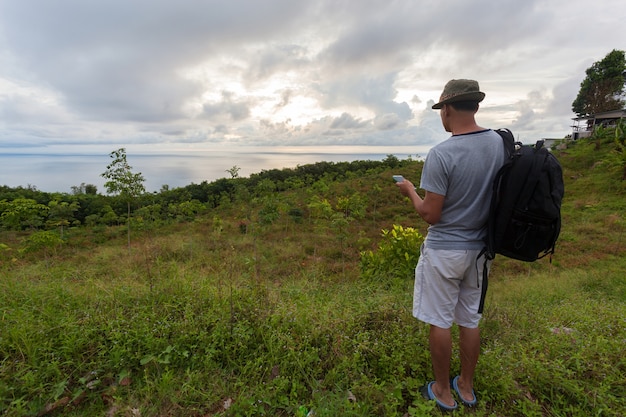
x,y
457,178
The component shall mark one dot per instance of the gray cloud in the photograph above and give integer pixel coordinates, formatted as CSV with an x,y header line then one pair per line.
x,y
347,121
285,97
264,63
388,121
236,109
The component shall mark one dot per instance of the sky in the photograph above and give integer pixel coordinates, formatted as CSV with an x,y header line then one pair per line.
x,y
197,74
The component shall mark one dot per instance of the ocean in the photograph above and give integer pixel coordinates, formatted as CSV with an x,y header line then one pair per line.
x,y
59,171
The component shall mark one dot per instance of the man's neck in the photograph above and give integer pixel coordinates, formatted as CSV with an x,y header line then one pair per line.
x,y
466,131
463,127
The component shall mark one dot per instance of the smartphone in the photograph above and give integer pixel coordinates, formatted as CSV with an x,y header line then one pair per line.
x,y
398,178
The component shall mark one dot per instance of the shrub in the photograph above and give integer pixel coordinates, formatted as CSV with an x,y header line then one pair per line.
x,y
396,256
42,240
617,158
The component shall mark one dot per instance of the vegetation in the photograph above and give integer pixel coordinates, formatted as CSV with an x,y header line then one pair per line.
x,y
270,295
604,86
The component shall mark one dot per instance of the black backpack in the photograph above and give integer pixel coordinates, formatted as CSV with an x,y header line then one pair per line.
x,y
525,214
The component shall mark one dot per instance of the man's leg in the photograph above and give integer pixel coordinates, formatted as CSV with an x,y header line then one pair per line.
x,y
441,352
469,345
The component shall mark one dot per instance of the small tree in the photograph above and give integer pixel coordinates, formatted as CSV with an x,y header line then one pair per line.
x,y
270,204
123,182
61,214
603,88
234,171
46,240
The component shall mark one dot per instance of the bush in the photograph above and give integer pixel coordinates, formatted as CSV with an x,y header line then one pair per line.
x,y
42,240
396,256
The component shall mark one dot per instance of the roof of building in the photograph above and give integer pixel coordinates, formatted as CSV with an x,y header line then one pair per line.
x,y
612,114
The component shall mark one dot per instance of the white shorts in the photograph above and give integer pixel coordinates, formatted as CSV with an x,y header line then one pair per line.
x,y
448,286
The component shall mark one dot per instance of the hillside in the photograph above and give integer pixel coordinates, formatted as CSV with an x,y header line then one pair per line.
x,y
259,306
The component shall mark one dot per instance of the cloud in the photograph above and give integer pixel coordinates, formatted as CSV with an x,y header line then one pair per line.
x,y
347,121
285,97
229,106
279,71
121,60
374,94
265,63
388,121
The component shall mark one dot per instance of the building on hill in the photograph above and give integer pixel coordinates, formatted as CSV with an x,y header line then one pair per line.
x,y
551,142
583,126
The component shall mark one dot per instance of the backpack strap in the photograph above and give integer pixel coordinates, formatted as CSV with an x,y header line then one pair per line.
x,y
509,155
509,141
487,252
485,282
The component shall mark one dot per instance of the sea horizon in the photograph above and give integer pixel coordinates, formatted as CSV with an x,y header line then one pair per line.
x,y
60,170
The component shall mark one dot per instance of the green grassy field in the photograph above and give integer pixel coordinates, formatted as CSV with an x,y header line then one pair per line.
x,y
200,319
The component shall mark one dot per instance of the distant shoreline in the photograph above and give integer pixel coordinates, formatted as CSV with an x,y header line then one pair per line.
x,y
60,171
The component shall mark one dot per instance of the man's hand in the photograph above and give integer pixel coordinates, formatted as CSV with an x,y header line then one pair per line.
x,y
405,187
429,208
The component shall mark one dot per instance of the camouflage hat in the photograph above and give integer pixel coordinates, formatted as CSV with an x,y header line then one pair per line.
x,y
460,90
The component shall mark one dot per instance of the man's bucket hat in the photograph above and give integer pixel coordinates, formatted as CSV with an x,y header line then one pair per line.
x,y
460,90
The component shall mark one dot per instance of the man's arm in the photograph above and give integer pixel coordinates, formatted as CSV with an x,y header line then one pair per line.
x,y
429,208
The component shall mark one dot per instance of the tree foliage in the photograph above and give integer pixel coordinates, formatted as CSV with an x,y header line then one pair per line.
x,y
121,179
61,214
604,86
27,208
22,213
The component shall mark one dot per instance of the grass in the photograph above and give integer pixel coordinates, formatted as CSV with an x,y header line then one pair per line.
x,y
206,321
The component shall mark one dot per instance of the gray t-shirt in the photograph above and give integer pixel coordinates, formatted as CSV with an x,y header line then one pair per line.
x,y
462,169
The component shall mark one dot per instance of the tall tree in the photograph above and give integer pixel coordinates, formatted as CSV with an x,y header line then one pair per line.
x,y
84,189
123,181
604,87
